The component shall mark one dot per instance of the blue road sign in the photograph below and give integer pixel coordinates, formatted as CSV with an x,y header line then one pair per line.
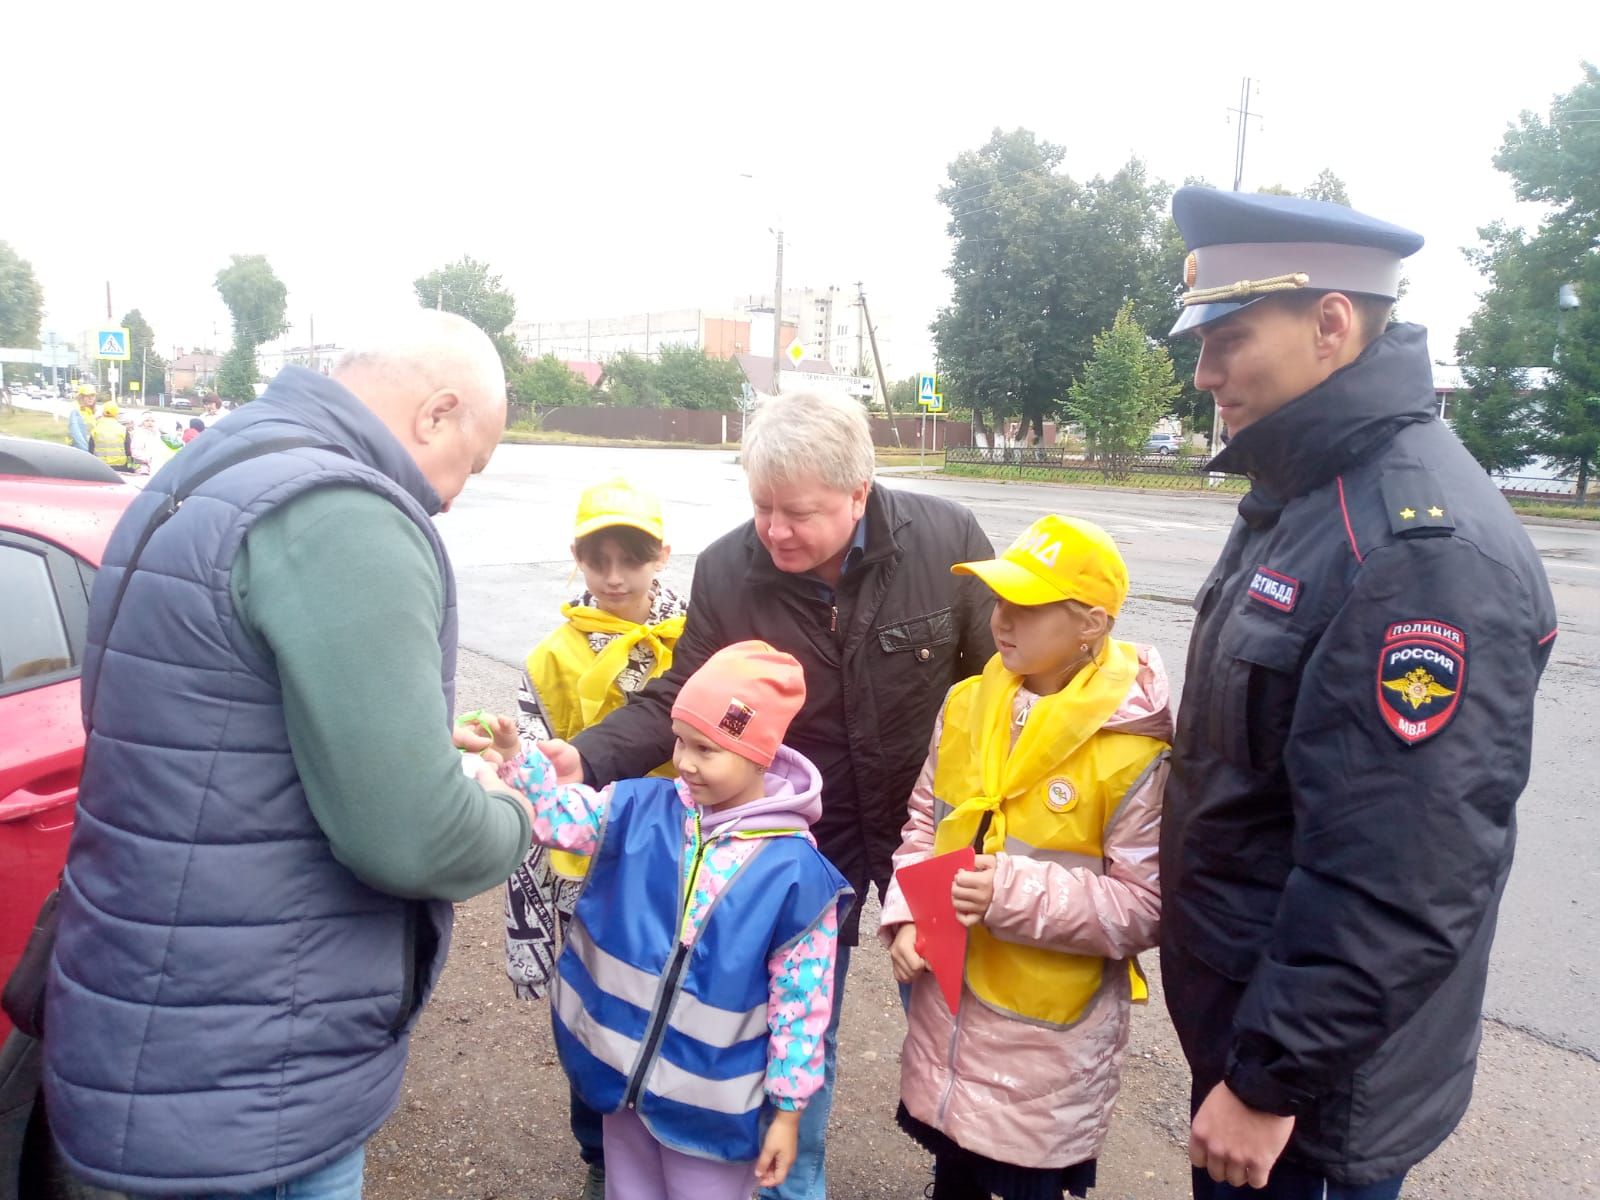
x,y
111,343
925,390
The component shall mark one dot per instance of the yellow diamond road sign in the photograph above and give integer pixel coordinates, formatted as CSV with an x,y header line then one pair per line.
x,y
796,353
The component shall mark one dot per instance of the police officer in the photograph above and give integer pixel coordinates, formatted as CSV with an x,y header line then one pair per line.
x,y
1357,720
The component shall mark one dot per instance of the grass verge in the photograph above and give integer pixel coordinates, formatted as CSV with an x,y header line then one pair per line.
x,y
25,423
1140,480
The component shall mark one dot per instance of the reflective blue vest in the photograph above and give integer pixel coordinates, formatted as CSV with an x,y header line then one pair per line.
x,y
680,1036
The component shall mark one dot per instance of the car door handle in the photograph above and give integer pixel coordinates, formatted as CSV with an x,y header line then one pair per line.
x,y
26,802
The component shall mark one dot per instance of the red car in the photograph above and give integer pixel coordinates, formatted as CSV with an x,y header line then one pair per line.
x,y
58,507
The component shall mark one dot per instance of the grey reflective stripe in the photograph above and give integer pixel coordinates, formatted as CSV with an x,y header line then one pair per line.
x,y
610,973
1133,790
719,1027
941,810
617,1050
735,1097
1094,864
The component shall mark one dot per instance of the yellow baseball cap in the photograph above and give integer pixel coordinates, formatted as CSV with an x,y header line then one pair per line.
x,y
1057,558
111,410
618,502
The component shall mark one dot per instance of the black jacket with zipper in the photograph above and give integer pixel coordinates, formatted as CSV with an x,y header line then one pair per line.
x,y
878,658
1356,728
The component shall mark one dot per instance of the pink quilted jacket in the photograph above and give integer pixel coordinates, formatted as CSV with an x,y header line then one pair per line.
x,y
1014,1091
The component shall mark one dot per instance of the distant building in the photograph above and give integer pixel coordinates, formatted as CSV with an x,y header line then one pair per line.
x,y
1448,380
826,322
272,358
193,372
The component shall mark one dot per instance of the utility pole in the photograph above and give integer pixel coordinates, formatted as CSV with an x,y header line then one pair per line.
x,y
861,333
777,319
1244,114
877,361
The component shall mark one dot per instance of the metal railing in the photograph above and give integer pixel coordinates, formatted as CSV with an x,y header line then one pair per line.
x,y
1062,464
1544,490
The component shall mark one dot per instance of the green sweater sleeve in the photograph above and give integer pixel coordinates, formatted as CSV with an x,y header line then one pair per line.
x,y
343,592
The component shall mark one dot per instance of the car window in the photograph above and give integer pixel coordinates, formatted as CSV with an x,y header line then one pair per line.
x,y
33,635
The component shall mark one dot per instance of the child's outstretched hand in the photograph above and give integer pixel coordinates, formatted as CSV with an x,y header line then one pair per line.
x,y
903,956
483,733
564,757
971,891
778,1148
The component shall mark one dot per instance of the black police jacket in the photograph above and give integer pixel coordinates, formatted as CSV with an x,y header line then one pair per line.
x,y
879,657
1355,732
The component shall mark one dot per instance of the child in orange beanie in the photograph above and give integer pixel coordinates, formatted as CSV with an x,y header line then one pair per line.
x,y
695,1023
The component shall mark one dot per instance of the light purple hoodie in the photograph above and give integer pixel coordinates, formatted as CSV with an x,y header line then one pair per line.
x,y
793,800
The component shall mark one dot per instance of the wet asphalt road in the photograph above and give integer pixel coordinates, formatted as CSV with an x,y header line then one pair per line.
x,y
509,536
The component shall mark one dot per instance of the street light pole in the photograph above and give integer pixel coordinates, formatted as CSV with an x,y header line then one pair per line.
x,y
777,319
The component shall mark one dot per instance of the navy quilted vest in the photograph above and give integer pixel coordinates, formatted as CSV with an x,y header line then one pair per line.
x,y
228,1006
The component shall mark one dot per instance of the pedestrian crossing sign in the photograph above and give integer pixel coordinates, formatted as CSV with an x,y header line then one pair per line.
x,y
112,343
925,391
938,403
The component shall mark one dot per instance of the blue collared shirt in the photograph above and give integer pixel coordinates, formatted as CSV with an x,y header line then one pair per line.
x,y
852,558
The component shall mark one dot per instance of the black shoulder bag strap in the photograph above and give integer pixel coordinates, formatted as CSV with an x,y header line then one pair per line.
x,y
23,998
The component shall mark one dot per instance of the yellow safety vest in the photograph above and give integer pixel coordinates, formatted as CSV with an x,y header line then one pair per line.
x,y
110,442
1059,814
578,687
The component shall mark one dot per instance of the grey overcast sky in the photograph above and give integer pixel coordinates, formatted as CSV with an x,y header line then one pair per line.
x,y
593,153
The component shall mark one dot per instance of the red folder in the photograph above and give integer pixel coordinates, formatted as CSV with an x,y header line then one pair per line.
x,y
941,937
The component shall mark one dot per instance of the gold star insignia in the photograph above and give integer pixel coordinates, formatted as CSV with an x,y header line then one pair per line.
x,y
1407,514
1435,511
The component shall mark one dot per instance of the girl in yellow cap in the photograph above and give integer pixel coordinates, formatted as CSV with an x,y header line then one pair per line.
x,y
1051,764
617,635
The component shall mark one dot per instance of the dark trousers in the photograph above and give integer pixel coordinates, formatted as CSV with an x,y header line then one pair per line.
x,y
1291,1182
586,1128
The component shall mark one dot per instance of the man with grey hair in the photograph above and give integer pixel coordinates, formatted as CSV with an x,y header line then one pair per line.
x,y
853,579
273,820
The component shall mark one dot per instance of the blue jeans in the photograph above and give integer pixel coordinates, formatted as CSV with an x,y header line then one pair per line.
x,y
808,1178
1289,1182
339,1180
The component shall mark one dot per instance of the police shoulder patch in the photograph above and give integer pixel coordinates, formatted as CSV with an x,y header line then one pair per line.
x,y
1274,589
1422,668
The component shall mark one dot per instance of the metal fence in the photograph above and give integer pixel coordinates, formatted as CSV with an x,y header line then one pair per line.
x,y
1541,489
1061,464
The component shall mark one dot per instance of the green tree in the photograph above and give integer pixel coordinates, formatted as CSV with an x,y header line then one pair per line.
x,y
687,377
1126,386
258,302
21,308
256,298
1567,426
1327,186
540,384
1518,323
903,395
236,377
630,381
143,355
1040,263
466,288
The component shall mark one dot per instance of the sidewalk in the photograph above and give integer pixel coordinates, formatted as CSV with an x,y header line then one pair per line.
x,y
484,1112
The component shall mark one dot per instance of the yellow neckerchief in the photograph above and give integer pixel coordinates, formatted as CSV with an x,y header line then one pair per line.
x,y
1056,726
594,684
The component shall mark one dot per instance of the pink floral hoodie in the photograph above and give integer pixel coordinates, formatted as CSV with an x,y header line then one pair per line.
x,y
1017,1092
